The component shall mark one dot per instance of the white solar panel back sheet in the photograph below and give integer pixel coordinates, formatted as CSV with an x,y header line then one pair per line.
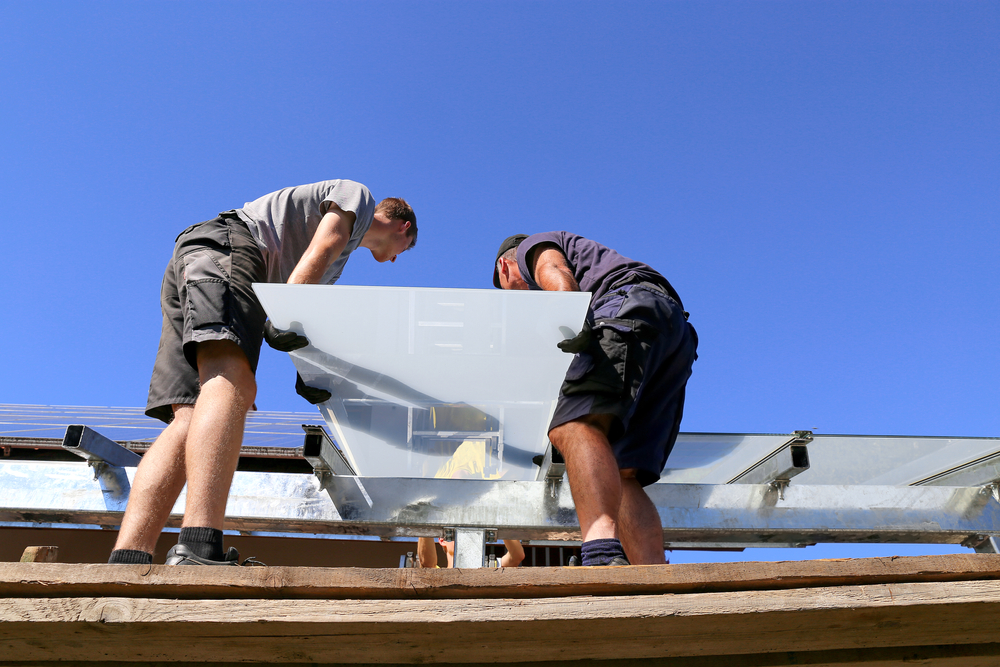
x,y
432,382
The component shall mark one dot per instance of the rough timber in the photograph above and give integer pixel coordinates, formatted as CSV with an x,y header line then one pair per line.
x,y
888,611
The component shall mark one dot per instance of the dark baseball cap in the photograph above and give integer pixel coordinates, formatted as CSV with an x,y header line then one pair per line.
x,y
508,243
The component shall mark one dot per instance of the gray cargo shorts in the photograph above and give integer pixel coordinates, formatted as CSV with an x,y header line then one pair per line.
x,y
207,294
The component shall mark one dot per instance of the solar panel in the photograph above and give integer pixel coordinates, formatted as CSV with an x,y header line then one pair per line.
x,y
432,382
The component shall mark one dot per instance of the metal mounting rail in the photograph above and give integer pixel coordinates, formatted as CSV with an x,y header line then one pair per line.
x,y
61,492
738,514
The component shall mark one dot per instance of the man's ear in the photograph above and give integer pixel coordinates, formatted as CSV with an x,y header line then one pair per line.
x,y
404,225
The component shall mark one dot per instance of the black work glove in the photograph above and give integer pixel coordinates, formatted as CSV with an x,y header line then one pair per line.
x,y
579,342
312,394
285,341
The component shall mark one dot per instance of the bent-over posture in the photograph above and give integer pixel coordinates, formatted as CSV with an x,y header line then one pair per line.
x,y
203,379
620,405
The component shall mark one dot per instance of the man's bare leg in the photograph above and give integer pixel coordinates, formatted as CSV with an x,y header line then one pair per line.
x,y
514,555
158,481
215,434
426,552
593,474
639,524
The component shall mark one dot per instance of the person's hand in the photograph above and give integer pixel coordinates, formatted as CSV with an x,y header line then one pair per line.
x,y
579,342
285,341
312,394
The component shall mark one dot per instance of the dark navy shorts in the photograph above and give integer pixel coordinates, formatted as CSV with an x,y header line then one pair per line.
x,y
636,368
206,295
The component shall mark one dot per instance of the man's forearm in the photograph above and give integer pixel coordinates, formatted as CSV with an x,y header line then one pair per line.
x,y
329,240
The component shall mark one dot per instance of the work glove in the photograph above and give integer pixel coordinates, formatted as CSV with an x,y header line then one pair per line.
x,y
285,341
579,342
312,394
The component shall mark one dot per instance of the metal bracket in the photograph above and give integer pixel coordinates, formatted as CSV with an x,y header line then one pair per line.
x,y
983,544
551,466
470,545
107,458
778,468
993,489
336,475
87,443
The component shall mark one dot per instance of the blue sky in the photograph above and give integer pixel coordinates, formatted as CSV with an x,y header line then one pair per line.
x,y
820,181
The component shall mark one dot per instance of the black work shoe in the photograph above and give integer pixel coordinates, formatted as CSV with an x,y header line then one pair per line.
x,y
619,560
181,554
574,561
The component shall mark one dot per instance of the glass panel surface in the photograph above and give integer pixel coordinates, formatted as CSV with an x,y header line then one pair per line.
x,y
887,460
716,458
263,428
432,382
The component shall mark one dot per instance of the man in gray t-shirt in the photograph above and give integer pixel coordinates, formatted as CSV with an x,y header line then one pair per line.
x,y
203,379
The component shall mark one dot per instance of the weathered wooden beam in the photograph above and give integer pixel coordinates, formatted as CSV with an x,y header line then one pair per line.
x,y
161,581
969,655
40,555
484,631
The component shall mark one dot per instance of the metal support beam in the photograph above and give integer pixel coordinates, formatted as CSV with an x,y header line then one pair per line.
x,y
107,458
991,545
778,468
470,546
716,514
87,443
551,465
983,471
329,464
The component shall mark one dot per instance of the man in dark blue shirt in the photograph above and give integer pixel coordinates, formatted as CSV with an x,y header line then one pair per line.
x,y
620,406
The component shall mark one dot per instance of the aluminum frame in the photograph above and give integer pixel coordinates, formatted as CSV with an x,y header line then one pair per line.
x,y
737,514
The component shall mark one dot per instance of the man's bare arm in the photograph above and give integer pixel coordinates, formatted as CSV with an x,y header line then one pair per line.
x,y
327,243
550,269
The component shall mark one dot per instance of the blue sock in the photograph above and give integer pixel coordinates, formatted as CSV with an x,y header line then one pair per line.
x,y
601,552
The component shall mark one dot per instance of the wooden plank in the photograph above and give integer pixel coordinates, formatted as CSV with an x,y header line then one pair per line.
x,y
365,631
40,555
973,655
160,581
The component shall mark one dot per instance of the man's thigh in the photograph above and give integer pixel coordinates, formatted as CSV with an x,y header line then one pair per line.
x,y
664,348
207,295
635,369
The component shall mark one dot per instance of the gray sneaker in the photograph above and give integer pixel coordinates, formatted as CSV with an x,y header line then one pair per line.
x,y
181,554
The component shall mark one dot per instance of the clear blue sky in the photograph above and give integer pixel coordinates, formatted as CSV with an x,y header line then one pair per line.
x,y
820,181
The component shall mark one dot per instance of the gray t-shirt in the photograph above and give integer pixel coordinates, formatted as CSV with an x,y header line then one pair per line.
x,y
283,223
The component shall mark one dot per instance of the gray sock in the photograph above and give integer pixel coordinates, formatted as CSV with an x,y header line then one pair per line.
x,y
204,542
130,556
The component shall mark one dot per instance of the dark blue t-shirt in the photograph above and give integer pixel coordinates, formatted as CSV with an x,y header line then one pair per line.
x,y
597,268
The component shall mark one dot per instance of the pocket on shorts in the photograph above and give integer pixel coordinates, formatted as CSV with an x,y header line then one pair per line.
x,y
208,292
582,364
601,369
208,303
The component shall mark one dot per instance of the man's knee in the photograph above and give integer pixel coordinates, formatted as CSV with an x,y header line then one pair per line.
x,y
583,429
224,358
182,415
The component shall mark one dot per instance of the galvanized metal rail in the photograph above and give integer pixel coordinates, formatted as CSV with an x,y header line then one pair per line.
x,y
768,512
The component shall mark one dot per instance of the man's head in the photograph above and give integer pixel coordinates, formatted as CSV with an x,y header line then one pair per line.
x,y
397,229
506,273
